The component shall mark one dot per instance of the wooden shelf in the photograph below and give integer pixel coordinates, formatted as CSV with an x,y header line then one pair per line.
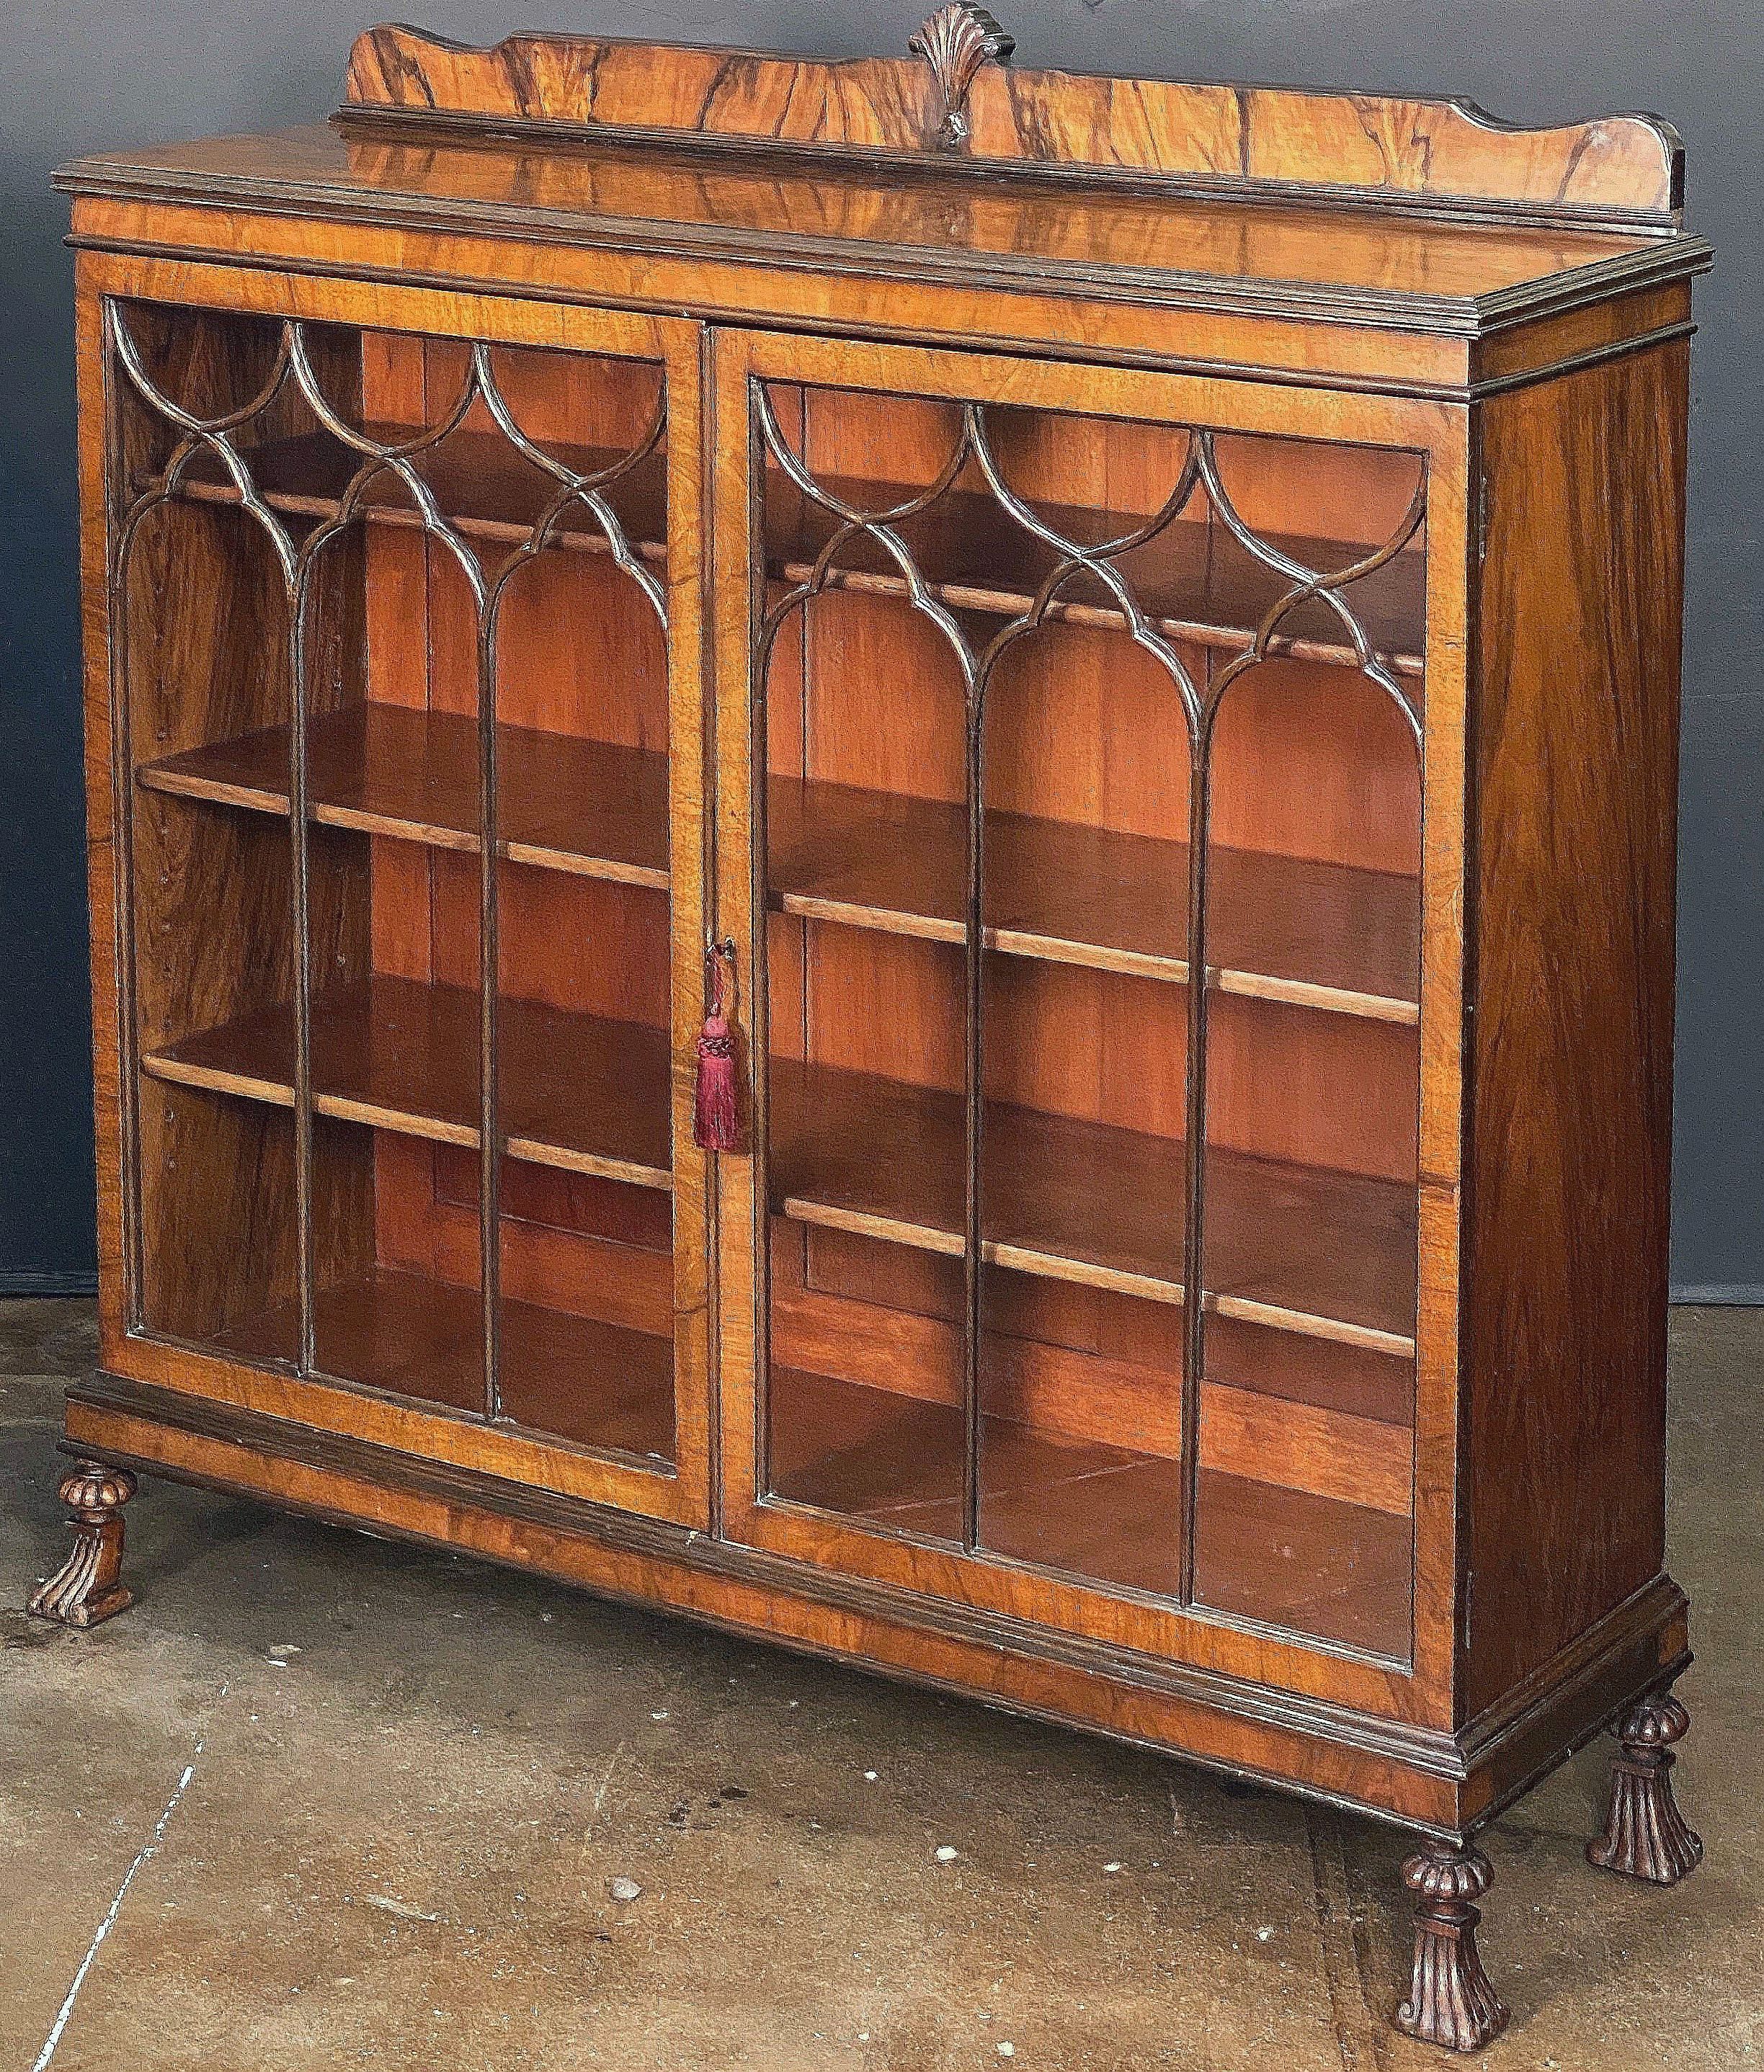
x,y
1314,1564
480,483
565,803
1330,1254
567,1377
1281,1556
1318,935
895,1460
578,1091
1194,581
595,1384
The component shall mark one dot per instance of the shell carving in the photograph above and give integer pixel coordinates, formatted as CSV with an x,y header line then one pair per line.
x,y
955,42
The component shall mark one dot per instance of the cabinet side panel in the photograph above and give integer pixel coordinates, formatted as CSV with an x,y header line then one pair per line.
x,y
1575,726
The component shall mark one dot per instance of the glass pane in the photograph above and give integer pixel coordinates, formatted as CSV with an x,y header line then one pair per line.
x,y
390,660
396,1299
583,917
1084,1019
203,657
1068,1453
587,1310
1304,1501
863,1011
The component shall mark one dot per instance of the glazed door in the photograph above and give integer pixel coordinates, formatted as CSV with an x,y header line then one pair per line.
x,y
1071,730
409,769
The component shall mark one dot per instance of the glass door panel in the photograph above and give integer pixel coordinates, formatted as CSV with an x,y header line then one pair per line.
x,y
583,915
406,704
1036,1291
395,1049
866,924
1084,1043
203,651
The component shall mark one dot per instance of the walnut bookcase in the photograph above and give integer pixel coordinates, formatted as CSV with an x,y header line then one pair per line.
x,y
1138,626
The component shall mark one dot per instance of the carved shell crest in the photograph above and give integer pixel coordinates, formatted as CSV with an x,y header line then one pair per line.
x,y
955,42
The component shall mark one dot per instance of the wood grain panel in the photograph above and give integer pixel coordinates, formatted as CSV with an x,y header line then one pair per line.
x,y
1227,133
1570,1099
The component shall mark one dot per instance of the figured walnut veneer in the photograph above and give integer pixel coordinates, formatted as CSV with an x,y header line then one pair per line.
x,y
1140,623
1629,165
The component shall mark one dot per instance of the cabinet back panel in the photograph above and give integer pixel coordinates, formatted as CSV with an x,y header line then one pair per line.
x,y
883,705
1315,488
1311,760
1083,726
582,944
608,680
1312,1088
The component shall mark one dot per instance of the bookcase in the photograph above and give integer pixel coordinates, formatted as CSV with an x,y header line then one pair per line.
x,y
885,848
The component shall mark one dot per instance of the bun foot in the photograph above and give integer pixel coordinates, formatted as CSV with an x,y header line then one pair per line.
x,y
85,1590
1450,2001
1645,1836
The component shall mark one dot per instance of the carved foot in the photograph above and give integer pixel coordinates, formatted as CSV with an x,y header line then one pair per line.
x,y
1450,2001
1645,1835
84,1590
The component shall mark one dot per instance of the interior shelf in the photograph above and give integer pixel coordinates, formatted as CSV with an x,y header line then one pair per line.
x,y
1327,1253
894,1460
974,555
1281,1555
568,1377
1319,935
564,802
485,487
1193,582
1312,1564
578,1090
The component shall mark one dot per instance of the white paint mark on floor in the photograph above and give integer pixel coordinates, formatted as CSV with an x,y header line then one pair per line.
x,y
402,1907
601,1790
149,1849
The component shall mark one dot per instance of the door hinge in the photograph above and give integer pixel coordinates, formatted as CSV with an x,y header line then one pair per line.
x,y
1482,519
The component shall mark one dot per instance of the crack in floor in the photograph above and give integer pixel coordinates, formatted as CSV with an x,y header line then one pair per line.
x,y
143,1855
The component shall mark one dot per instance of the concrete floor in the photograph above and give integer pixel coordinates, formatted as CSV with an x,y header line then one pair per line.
x,y
413,1780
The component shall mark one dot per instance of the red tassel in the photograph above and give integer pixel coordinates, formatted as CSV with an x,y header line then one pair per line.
x,y
714,1122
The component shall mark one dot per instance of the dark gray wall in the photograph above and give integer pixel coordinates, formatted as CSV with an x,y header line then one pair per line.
x,y
84,75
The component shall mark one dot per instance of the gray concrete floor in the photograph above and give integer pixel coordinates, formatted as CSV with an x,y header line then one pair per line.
x,y
412,1779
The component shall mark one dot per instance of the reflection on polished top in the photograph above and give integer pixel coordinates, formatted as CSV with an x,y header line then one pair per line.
x,y
1251,197
596,192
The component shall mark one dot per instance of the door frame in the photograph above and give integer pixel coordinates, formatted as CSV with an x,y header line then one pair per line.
x,y
403,1424
1422,1690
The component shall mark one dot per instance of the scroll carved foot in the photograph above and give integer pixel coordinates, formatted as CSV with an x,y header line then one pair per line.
x,y
1646,1835
1450,2001
86,1588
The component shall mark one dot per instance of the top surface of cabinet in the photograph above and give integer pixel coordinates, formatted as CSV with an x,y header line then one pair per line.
x,y
1426,215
